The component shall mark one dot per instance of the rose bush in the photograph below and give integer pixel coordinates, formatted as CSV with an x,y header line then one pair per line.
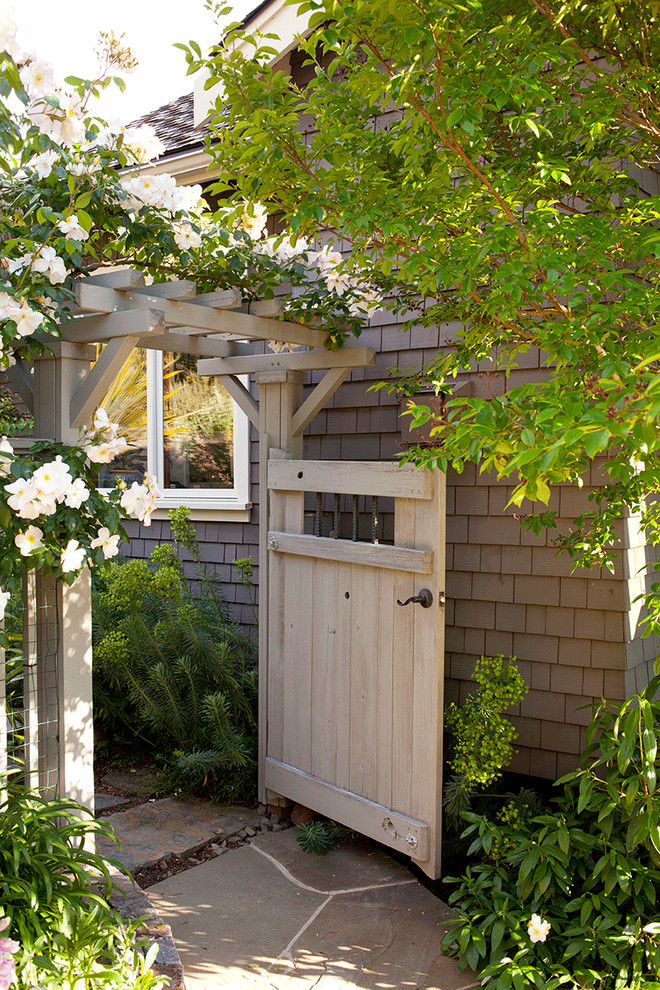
x,y
74,197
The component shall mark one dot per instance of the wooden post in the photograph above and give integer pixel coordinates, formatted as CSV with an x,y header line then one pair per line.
x,y
67,610
280,395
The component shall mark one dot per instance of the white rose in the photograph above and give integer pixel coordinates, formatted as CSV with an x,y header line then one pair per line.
x,y
72,229
72,557
108,543
29,541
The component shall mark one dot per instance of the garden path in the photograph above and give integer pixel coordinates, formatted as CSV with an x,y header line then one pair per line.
x,y
268,916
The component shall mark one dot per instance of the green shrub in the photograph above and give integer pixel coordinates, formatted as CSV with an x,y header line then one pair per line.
x,y
590,868
53,889
481,736
321,835
174,670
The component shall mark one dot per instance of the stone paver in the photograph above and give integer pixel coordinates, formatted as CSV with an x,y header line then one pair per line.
x,y
102,802
159,828
269,917
140,782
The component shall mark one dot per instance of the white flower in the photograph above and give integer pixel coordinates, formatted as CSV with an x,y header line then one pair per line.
x,y
45,117
327,259
38,78
366,304
43,164
186,236
49,263
109,544
72,229
142,144
538,928
105,451
338,282
6,454
102,421
8,35
158,191
81,165
77,494
139,501
26,319
188,199
254,219
18,264
23,499
29,541
4,601
53,479
72,556
72,128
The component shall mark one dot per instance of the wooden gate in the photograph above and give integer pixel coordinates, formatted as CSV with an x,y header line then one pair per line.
x,y
355,680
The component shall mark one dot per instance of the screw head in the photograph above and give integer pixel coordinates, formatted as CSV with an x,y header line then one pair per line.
x,y
273,543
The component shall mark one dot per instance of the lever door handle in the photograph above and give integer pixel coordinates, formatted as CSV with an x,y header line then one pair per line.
x,y
424,598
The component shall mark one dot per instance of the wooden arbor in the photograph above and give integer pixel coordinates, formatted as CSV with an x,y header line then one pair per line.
x,y
116,308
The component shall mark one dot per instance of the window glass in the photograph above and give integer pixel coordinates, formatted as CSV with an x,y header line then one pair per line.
x,y
198,428
126,403
182,428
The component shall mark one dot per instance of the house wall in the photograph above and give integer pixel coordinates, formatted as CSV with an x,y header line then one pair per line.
x,y
574,634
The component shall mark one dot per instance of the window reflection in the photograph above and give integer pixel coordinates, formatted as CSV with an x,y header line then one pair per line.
x,y
192,424
198,427
126,403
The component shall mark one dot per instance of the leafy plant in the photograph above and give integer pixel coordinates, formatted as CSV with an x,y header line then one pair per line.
x,y
493,168
245,568
319,836
11,419
481,736
54,889
174,669
590,869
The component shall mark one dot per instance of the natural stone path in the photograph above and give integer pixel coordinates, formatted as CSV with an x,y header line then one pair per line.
x,y
268,916
160,828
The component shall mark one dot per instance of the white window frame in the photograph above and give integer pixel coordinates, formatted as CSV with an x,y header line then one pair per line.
x,y
223,504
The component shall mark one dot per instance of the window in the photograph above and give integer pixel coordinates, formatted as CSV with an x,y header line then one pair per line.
x,y
185,430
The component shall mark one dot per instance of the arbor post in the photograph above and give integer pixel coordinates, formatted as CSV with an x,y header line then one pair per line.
x,y
65,613
280,396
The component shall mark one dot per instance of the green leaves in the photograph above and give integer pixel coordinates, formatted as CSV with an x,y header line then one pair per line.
x,y
589,865
473,157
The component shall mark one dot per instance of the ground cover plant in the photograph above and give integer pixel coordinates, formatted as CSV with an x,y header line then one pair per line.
x,y
59,931
569,897
172,671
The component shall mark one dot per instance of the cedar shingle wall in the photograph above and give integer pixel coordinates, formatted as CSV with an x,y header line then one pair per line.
x,y
507,591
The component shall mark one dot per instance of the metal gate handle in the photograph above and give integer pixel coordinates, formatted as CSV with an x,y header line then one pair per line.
x,y
424,598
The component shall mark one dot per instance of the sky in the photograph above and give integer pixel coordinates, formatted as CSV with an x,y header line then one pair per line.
x,y
65,34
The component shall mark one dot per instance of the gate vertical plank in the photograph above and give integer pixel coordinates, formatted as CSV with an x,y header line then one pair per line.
x,y
298,666
364,683
343,673
387,599
428,682
275,630
403,651
325,660
287,511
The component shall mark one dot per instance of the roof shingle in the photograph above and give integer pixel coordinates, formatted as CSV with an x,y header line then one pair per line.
x,y
174,125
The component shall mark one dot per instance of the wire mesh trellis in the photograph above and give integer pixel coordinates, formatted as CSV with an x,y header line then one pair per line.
x,y
29,705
